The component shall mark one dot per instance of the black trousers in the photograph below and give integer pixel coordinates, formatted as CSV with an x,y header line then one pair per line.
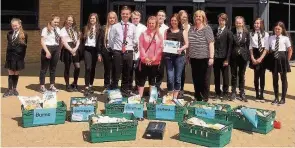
x,y
107,64
201,78
68,60
51,63
90,59
122,64
259,76
218,67
134,74
275,77
183,78
160,74
238,69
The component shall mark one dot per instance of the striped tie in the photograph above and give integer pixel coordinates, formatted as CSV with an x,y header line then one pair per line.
x,y
91,33
239,39
277,48
14,36
219,33
57,39
73,36
259,43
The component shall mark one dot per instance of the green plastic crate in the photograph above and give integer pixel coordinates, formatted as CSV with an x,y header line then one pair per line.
x,y
28,116
107,132
180,112
220,115
265,124
206,136
112,108
95,110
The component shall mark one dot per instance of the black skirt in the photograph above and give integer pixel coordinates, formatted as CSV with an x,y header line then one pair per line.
x,y
15,65
257,54
66,56
280,65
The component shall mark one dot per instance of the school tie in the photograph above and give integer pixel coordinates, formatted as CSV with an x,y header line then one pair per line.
x,y
14,36
219,32
239,36
56,36
277,47
73,36
91,33
259,43
124,38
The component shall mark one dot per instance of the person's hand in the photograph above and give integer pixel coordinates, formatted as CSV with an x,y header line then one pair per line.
x,y
99,58
225,63
48,55
179,51
254,61
210,62
147,60
259,60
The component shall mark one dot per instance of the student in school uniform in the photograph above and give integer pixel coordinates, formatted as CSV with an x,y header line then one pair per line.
x,y
15,55
161,16
122,39
91,46
183,16
135,17
175,62
281,53
150,48
51,45
223,47
106,51
240,56
258,49
70,53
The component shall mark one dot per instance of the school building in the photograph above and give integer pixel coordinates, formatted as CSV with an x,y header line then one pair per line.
x,y
35,14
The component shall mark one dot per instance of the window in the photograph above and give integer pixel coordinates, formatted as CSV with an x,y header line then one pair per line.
x,y
26,10
278,12
153,10
91,7
292,18
117,9
246,12
212,15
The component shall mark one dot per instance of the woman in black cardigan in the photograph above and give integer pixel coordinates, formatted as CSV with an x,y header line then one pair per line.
x,y
15,55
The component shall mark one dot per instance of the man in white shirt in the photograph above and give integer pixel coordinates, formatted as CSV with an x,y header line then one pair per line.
x,y
136,17
122,41
161,15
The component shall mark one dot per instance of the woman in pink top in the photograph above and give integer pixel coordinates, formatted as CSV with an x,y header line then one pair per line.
x,y
150,49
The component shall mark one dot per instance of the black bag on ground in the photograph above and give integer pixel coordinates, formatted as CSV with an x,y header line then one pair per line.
x,y
155,130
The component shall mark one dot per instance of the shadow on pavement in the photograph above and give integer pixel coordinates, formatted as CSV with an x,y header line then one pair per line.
x,y
19,121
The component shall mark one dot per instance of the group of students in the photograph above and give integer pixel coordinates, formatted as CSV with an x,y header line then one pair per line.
x,y
133,50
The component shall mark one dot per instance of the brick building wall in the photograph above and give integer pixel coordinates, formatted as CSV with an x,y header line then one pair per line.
x,y
46,8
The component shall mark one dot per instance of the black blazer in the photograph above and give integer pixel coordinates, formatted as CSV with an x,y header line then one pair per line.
x,y
223,44
16,50
98,35
242,45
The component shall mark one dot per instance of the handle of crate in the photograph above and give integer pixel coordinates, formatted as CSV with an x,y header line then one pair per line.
x,y
204,134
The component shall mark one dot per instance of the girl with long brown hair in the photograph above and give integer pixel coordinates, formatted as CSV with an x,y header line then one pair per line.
x,y
70,53
106,51
240,56
281,53
50,41
91,45
258,49
15,55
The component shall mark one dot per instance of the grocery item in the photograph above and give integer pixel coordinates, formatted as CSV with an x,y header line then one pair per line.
x,y
107,119
49,99
153,95
29,103
83,101
114,94
134,99
199,122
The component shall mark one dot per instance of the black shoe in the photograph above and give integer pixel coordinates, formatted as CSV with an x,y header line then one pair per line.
x,y
69,89
282,101
15,92
86,92
91,90
243,97
261,99
233,97
257,96
74,87
125,93
275,101
8,93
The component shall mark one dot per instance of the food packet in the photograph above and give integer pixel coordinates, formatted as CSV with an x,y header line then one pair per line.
x,y
49,99
154,95
134,99
30,103
114,94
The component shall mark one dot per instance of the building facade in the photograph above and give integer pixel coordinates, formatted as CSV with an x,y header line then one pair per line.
x,y
36,14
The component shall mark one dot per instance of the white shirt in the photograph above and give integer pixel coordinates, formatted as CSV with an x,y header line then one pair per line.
x,y
64,34
140,28
221,29
91,42
241,33
15,33
284,42
163,29
117,36
254,40
108,37
49,37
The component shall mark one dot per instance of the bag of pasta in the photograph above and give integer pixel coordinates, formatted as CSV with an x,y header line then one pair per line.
x,y
49,99
30,103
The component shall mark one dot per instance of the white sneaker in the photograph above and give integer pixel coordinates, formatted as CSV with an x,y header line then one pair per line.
x,y
53,89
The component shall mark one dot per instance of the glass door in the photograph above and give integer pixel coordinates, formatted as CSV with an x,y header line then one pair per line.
x,y
212,15
188,9
247,12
